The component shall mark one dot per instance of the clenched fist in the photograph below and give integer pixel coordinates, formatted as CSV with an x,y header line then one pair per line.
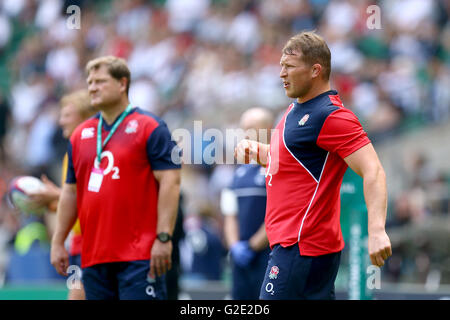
x,y
246,151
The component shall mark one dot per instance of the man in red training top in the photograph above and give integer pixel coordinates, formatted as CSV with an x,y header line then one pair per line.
x,y
124,187
310,150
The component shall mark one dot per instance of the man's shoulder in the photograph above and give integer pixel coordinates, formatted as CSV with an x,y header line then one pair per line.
x,y
149,120
86,129
334,103
148,117
336,109
331,104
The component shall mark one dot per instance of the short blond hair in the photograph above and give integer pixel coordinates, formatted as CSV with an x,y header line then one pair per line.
x,y
117,67
80,99
313,48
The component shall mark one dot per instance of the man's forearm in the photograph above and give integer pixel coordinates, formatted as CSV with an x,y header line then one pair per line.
x,y
366,164
375,194
231,230
66,214
259,240
168,198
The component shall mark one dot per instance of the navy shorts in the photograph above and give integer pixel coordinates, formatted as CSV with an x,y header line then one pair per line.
x,y
124,281
292,276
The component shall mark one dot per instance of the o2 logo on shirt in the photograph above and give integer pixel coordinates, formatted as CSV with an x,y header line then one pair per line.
x,y
110,167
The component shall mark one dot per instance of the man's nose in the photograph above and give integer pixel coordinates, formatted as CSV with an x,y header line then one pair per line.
x,y
92,87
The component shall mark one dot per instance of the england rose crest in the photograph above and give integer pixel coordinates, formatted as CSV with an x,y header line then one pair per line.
x,y
303,120
131,126
274,272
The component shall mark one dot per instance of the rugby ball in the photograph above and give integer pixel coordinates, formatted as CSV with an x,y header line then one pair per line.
x,y
18,191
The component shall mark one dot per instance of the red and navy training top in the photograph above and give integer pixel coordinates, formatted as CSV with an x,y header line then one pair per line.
x,y
118,223
305,171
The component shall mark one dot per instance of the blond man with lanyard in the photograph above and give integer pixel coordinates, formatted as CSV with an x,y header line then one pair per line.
x,y
124,187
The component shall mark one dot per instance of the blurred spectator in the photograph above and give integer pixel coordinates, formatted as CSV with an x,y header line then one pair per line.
x,y
202,250
184,14
5,31
4,119
39,152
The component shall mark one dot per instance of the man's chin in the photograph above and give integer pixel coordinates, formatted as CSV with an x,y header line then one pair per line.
x,y
96,104
291,95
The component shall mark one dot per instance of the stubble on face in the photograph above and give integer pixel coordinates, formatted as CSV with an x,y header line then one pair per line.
x,y
103,88
295,74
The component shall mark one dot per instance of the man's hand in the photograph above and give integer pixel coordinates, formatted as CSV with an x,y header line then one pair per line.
x,y
47,196
65,219
59,258
246,151
242,253
365,163
160,259
379,248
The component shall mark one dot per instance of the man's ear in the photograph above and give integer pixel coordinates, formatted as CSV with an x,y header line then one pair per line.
x,y
316,70
123,84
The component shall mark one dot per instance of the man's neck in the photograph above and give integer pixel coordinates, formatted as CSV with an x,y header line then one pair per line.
x,y
314,92
110,113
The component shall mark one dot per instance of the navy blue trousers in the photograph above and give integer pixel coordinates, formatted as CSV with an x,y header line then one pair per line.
x,y
290,276
122,280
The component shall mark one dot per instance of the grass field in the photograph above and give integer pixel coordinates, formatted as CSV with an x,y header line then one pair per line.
x,y
35,292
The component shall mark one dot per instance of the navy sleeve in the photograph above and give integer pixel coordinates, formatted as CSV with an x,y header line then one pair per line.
x,y
70,175
163,153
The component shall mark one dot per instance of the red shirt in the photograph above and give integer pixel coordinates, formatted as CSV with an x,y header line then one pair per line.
x,y
305,171
118,223
76,244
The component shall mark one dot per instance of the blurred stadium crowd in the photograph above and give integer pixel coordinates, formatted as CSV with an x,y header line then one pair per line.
x,y
209,60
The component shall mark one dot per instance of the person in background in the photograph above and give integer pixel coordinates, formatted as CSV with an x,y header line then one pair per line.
x,y
75,108
315,142
244,206
5,112
124,186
